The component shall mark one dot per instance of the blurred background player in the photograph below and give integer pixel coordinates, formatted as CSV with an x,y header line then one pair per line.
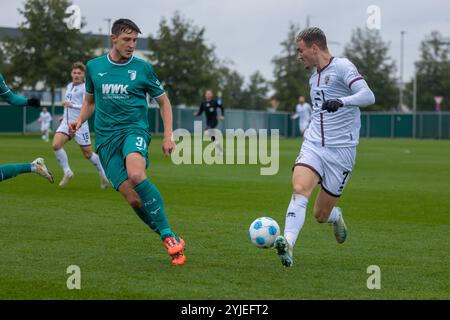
x,y
45,119
38,166
117,85
75,92
303,112
210,106
328,152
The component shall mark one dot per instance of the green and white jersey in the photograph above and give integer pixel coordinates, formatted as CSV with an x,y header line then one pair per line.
x,y
119,91
9,96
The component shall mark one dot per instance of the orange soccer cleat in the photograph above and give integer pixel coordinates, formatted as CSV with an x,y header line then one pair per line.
x,y
178,259
173,246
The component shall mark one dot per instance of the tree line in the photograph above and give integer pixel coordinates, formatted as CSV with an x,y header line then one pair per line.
x,y
187,65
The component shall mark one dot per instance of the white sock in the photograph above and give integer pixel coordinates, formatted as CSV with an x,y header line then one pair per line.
x,y
334,215
96,162
61,155
295,218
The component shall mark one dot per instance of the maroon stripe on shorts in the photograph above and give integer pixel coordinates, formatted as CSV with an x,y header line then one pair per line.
x,y
331,194
309,167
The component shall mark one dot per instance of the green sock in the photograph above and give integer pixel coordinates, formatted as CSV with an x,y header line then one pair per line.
x,y
11,170
152,211
146,218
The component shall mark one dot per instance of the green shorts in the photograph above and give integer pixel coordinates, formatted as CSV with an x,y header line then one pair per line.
x,y
112,155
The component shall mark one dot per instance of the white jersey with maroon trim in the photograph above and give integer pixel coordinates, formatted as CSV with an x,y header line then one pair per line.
x,y
340,128
75,95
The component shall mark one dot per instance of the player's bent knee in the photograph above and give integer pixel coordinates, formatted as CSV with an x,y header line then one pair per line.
x,y
56,146
136,178
298,188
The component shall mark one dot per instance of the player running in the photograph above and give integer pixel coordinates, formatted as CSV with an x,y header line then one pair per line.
x,y
75,92
116,87
45,119
38,165
303,112
210,106
328,153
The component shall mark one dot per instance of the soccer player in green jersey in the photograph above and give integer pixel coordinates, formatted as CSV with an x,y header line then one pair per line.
x,y
117,85
38,166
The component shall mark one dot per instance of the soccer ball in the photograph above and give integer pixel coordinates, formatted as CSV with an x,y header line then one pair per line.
x,y
263,232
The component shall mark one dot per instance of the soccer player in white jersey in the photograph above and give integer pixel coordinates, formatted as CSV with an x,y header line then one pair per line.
x,y
303,112
328,152
45,119
72,105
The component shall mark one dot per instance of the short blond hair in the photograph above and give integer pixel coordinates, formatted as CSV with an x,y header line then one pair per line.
x,y
313,35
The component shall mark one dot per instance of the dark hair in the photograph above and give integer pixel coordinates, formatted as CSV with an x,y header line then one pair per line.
x,y
311,36
79,65
124,25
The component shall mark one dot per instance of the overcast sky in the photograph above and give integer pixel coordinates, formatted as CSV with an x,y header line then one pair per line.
x,y
249,32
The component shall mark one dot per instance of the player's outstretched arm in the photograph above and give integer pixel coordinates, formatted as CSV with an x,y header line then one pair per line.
x,y
87,109
200,111
166,114
361,96
14,99
20,101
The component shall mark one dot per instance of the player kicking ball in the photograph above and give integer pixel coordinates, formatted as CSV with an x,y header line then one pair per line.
x,y
75,92
328,152
116,87
38,166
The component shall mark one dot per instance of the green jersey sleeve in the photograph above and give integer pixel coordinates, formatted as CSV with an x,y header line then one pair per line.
x,y
152,84
89,85
9,96
3,87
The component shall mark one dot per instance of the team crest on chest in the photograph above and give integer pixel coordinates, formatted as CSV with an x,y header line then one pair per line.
x,y
132,74
327,79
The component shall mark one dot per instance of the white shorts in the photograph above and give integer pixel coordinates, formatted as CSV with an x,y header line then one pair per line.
x,y
82,136
333,165
45,127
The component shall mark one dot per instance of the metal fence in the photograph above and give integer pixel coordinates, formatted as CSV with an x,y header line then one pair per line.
x,y
430,125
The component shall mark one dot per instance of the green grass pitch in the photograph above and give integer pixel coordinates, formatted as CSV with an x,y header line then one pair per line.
x,y
396,206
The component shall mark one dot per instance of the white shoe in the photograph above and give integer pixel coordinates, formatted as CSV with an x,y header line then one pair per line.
x,y
340,229
104,183
42,170
65,180
284,251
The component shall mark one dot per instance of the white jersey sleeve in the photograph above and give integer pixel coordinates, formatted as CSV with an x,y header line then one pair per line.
x,y
347,71
361,96
337,80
